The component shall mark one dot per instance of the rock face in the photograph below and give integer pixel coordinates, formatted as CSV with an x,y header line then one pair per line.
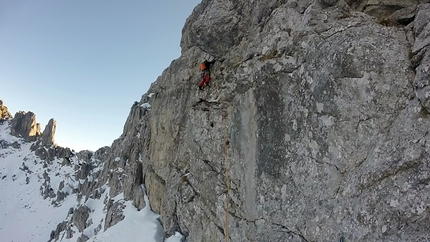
x,y
49,133
80,217
314,127
394,11
421,51
4,112
318,112
24,125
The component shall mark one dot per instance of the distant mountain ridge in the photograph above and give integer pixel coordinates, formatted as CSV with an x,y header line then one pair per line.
x,y
51,193
24,125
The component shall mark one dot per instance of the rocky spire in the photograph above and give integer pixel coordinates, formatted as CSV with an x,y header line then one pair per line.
x,y
24,125
49,133
4,112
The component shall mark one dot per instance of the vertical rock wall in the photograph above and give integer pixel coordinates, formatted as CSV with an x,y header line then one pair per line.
x,y
326,124
317,109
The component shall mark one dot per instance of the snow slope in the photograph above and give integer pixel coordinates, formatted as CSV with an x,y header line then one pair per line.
x,y
30,212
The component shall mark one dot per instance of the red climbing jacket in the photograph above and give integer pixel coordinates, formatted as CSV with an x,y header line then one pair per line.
x,y
206,75
205,79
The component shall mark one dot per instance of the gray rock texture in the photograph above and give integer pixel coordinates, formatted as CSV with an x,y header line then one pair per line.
x,y
388,11
24,125
55,234
49,133
114,213
326,124
421,51
80,216
315,127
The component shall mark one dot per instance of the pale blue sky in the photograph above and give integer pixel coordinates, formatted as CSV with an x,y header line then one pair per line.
x,y
84,62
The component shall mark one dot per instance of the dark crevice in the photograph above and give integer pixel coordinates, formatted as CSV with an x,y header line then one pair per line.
x,y
362,120
199,146
307,7
289,231
195,192
406,21
234,215
221,230
361,162
339,31
378,178
206,102
323,162
417,57
212,168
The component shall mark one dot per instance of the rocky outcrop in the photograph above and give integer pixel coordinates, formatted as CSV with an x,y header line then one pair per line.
x,y
55,234
114,213
388,11
24,125
87,169
316,111
80,216
49,133
4,112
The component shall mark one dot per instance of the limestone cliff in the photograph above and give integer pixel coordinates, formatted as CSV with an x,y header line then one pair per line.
x,y
326,129
315,127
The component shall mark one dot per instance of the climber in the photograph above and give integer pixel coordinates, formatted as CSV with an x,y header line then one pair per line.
x,y
206,74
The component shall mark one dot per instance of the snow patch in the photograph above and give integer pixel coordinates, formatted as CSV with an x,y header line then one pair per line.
x,y
146,106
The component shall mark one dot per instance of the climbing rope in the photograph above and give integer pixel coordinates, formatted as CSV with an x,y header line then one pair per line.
x,y
227,178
